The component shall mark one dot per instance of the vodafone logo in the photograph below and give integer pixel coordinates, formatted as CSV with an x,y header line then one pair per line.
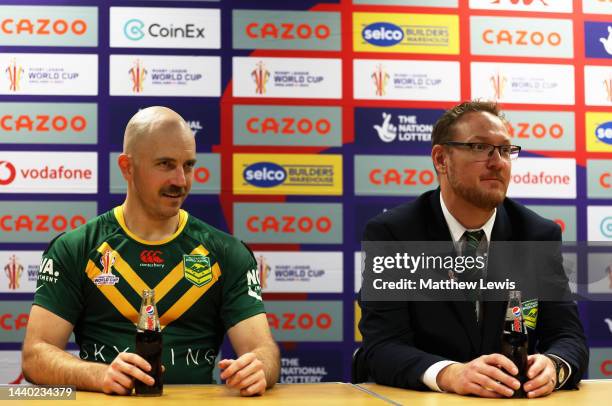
x,y
7,173
48,172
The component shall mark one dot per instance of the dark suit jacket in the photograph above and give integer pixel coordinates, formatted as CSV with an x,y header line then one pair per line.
x,y
402,339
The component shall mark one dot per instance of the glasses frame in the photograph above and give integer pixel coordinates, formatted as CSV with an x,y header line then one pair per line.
x,y
514,149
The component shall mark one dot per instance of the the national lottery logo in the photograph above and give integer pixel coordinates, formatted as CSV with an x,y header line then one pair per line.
x,y
402,127
137,74
380,77
607,41
106,278
14,73
260,76
498,82
13,271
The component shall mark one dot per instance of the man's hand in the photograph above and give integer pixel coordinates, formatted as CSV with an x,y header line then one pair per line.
x,y
120,374
482,376
542,373
245,374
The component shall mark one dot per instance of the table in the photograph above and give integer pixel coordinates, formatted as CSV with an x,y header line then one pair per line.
x,y
592,392
321,394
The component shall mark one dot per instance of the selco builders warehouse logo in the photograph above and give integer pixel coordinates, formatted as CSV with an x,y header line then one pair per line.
x,y
153,75
598,132
289,174
305,30
406,33
49,74
406,80
155,27
48,172
49,26
313,78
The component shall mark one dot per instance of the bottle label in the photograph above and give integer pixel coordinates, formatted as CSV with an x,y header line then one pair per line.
x,y
516,325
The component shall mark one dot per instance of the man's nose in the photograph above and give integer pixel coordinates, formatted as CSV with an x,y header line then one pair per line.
x,y
495,159
180,179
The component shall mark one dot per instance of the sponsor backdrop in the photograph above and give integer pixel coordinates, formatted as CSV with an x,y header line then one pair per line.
x,y
310,117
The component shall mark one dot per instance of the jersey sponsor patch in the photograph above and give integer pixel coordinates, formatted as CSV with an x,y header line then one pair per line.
x,y
197,269
530,313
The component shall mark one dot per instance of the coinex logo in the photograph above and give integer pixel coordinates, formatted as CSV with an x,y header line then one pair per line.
x,y
289,224
265,174
42,123
151,257
407,176
604,132
521,37
535,130
287,31
9,173
134,29
383,34
40,222
288,126
301,321
42,26
10,322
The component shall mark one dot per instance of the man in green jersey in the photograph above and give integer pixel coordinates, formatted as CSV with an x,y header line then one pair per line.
x,y
206,282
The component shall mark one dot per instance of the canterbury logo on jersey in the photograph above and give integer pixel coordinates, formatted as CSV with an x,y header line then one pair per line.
x,y
123,269
151,257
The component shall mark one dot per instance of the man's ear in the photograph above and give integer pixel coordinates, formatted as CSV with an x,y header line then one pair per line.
x,y
439,158
125,165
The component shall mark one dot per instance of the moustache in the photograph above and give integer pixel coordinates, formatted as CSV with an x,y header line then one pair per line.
x,y
173,190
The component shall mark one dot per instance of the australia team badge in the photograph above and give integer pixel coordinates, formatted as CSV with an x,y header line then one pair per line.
x,y
197,269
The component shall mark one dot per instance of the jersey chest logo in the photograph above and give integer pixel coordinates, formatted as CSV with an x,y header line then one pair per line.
x,y
197,269
106,278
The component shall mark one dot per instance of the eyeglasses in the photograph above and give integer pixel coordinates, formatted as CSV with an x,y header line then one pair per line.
x,y
483,152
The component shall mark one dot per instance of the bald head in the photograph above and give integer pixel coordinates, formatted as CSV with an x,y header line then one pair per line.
x,y
149,122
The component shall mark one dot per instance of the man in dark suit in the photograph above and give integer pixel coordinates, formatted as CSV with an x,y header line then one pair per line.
x,y
454,346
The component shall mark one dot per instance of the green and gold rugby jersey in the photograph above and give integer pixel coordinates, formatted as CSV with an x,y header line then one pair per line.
x,y
205,282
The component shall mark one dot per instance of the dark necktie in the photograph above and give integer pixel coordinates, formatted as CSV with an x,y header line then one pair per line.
x,y
472,240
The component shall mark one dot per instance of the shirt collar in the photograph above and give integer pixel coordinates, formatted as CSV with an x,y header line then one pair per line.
x,y
457,229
